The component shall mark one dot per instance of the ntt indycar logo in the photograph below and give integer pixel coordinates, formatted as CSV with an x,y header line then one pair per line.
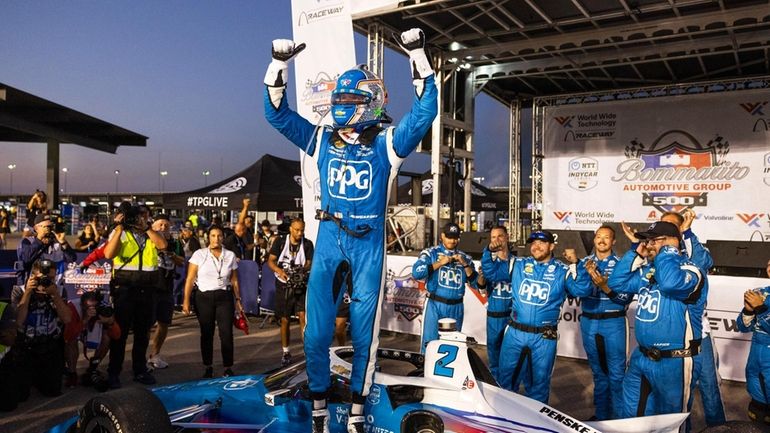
x,y
350,180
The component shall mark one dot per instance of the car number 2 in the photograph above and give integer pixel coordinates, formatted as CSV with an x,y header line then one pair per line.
x,y
442,367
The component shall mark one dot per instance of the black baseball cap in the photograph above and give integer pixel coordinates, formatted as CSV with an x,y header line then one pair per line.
x,y
451,230
265,223
541,235
42,217
659,228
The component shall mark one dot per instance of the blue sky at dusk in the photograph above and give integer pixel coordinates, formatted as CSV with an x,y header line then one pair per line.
x,y
187,74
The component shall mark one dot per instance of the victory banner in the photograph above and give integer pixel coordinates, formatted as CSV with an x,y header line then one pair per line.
x,y
633,160
326,27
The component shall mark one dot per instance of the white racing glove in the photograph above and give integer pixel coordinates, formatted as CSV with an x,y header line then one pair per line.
x,y
283,51
412,42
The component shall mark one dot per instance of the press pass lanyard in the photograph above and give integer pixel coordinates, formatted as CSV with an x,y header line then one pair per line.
x,y
221,279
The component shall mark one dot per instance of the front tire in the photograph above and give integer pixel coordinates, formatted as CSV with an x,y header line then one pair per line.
x,y
422,422
128,410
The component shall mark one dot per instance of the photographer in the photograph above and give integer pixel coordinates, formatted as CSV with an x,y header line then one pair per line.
x,y
93,325
41,315
46,244
9,382
133,247
290,258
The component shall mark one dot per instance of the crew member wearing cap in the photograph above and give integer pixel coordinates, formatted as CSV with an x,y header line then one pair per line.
x,y
446,270
45,245
539,285
660,375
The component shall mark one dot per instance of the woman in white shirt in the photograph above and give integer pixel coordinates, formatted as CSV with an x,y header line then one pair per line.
x,y
214,270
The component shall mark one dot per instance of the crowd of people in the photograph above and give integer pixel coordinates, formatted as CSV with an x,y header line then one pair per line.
x,y
47,329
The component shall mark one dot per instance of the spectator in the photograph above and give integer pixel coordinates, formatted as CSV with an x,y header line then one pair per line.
x,y
37,205
44,245
41,316
190,242
539,286
215,272
203,239
604,327
290,258
236,241
168,261
9,382
265,238
88,239
446,270
499,298
5,226
93,325
248,225
133,247
667,334
194,220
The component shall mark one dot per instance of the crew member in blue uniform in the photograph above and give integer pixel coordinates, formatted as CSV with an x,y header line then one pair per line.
x,y
539,286
755,318
446,270
661,373
357,159
498,293
604,327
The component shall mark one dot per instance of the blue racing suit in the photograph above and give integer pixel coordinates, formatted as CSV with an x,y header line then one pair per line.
x,y
660,378
604,329
498,306
758,364
350,247
707,363
446,288
538,292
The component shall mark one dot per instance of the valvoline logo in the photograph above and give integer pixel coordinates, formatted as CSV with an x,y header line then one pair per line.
x,y
450,277
350,180
534,292
648,306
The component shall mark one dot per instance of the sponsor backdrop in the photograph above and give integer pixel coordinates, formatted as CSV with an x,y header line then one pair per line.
x,y
633,160
327,29
405,298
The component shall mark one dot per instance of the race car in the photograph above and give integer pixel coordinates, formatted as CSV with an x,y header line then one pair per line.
x,y
449,389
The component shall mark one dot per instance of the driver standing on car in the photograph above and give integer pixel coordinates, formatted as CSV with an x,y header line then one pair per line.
x,y
357,159
446,270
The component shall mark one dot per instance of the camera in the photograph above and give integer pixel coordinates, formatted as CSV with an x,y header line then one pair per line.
x,y
45,268
105,311
297,281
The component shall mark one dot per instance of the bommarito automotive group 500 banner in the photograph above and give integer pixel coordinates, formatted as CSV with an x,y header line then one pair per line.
x,y
633,160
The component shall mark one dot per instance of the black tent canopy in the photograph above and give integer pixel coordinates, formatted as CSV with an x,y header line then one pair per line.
x,y
272,183
482,198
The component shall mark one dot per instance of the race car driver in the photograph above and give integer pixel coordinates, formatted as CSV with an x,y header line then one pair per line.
x,y
499,295
659,378
446,270
357,159
756,318
539,284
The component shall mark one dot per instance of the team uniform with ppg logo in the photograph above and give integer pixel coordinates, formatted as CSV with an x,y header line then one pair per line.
x,y
356,172
662,372
446,288
528,351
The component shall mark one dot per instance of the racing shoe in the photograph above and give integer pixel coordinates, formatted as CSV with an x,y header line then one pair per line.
x,y
356,423
321,420
285,359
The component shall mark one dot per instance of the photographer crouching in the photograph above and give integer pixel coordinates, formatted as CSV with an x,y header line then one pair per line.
x,y
290,258
93,324
41,315
133,247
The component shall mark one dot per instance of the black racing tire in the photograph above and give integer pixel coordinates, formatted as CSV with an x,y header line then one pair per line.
x,y
738,427
128,410
422,422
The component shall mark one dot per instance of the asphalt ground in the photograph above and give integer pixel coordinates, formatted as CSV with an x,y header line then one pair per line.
x,y
260,351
